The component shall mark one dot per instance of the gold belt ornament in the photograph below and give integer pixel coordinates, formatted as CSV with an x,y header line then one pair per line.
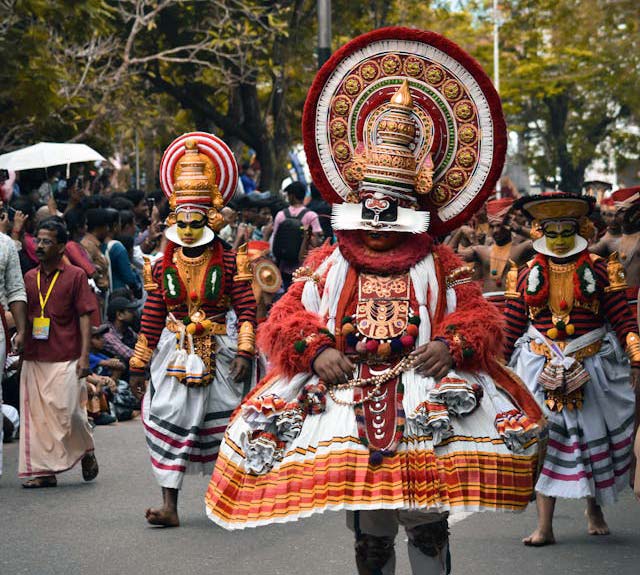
x,y
216,328
587,351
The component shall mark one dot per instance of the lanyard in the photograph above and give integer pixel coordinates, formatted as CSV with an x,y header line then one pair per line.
x,y
43,301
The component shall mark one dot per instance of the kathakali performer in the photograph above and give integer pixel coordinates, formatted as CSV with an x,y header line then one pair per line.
x,y
197,337
384,397
567,320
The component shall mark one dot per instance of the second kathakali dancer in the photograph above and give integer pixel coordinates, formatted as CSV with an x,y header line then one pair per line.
x,y
197,337
567,320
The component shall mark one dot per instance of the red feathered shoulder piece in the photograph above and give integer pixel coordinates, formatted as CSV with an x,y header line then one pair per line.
x,y
291,337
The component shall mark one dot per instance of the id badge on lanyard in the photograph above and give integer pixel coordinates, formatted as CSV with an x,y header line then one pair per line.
x,y
42,324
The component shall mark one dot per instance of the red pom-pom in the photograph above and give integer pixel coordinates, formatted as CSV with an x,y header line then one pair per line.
x,y
372,346
407,340
199,329
413,330
193,295
563,304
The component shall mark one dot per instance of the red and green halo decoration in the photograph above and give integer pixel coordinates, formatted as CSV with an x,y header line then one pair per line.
x,y
224,162
456,108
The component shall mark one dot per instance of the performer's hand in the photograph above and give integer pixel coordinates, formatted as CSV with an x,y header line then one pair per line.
x,y
432,360
635,379
240,368
137,385
333,366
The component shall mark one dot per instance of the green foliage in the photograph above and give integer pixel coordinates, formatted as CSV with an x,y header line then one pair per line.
x,y
103,70
569,69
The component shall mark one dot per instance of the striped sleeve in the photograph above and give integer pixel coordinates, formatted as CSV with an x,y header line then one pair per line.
x,y
614,305
154,314
243,301
516,315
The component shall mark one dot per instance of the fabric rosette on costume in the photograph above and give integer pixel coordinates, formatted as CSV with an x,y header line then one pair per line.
x,y
403,132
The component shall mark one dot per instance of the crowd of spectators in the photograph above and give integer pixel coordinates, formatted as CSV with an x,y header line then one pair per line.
x,y
109,235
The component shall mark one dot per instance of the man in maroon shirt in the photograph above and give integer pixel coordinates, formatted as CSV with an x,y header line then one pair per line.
x,y
55,433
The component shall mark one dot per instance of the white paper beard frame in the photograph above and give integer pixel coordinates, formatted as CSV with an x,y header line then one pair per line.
x,y
540,245
348,216
171,233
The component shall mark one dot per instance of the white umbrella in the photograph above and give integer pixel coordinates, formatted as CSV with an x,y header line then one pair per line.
x,y
46,154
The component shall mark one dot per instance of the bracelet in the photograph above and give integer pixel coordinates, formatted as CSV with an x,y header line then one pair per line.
x,y
141,353
633,347
247,338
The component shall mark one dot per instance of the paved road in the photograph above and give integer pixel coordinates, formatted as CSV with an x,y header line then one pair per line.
x,y
99,528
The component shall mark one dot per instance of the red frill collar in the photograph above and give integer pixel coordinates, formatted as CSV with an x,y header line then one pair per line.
x,y
396,260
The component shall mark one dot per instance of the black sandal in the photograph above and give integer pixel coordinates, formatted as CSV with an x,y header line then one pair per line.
x,y
89,467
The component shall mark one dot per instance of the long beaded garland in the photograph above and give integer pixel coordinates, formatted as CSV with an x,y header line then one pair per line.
x,y
375,382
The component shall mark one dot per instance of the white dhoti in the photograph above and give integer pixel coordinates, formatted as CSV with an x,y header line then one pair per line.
x,y
589,449
185,425
55,432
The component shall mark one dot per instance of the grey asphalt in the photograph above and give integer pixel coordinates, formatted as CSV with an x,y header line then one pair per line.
x,y
99,529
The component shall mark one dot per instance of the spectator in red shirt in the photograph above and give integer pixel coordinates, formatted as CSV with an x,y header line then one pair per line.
x,y
55,432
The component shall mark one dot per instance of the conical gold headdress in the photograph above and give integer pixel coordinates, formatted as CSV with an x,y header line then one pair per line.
x,y
388,161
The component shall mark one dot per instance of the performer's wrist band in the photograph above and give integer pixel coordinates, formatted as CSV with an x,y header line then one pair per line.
x,y
443,340
313,360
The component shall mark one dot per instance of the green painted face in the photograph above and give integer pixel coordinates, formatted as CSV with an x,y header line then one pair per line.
x,y
560,237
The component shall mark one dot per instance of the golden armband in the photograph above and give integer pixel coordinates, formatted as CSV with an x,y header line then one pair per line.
x,y
243,266
512,282
633,347
147,276
247,338
141,354
459,276
616,273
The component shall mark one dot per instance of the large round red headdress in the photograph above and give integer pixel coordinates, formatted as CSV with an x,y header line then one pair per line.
x,y
404,117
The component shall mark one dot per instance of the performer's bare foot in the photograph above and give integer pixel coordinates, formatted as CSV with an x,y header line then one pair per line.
x,y
539,538
39,482
596,524
163,517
